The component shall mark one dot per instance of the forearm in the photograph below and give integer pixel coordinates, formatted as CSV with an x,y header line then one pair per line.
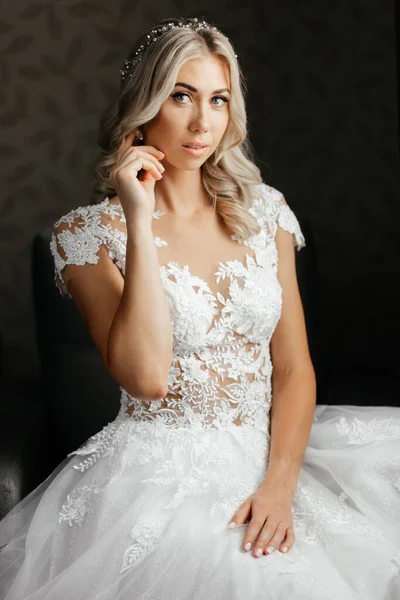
x,y
291,417
140,339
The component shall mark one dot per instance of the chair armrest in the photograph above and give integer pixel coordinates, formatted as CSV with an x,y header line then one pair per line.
x,y
23,442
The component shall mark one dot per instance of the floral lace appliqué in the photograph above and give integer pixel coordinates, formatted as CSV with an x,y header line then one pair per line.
x,y
146,535
79,504
221,369
374,432
103,443
318,517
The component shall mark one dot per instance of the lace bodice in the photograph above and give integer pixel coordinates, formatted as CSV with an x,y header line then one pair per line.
x,y
221,369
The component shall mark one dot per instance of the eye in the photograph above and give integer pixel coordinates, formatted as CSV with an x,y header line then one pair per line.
x,y
180,94
225,100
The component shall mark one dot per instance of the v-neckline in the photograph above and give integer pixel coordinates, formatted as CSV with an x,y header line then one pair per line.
x,y
167,267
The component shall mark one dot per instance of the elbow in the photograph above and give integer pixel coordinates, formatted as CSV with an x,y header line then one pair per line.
x,y
149,393
304,368
156,392
301,375
147,382
147,388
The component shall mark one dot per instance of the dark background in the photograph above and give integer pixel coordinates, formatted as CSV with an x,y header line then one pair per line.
x,y
323,112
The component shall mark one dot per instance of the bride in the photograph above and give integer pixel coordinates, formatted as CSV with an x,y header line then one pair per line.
x,y
220,477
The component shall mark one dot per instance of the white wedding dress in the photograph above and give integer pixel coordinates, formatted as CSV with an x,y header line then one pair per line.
x,y
140,511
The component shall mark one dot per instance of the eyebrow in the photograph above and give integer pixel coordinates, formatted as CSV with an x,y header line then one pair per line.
x,y
193,89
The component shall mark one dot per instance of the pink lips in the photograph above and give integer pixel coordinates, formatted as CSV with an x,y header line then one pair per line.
x,y
195,151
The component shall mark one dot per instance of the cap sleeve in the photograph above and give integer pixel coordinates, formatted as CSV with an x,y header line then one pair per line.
x,y
272,209
288,221
78,236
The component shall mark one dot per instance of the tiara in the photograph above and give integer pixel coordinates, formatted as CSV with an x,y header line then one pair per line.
x,y
130,63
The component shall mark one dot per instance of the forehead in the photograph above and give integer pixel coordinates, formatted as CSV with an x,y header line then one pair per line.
x,y
208,72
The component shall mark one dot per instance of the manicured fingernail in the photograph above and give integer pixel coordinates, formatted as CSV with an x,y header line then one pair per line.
x,y
259,552
270,549
285,549
231,525
247,546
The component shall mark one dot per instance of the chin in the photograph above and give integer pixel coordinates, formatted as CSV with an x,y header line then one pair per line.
x,y
194,165
190,164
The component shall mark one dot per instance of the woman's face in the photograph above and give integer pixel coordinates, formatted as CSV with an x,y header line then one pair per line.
x,y
196,112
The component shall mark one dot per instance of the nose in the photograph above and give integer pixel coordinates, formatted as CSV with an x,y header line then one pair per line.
x,y
199,121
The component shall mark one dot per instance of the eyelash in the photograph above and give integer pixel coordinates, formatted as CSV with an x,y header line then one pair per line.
x,y
185,94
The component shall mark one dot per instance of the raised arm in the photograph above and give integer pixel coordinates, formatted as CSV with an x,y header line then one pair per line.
x,y
128,320
140,338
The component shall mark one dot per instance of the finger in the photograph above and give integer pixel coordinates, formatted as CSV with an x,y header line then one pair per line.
x,y
253,530
288,541
152,150
130,155
126,144
266,533
134,152
270,545
140,152
126,158
138,163
242,514
142,163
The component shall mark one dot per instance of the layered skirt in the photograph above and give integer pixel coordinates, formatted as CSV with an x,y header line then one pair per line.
x,y
141,512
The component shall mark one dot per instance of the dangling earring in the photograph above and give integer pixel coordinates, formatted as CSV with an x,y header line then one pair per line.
x,y
139,134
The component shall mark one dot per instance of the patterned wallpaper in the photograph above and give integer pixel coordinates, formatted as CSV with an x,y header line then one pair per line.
x,y
322,108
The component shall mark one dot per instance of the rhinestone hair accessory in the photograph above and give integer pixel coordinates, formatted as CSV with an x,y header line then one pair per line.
x,y
129,64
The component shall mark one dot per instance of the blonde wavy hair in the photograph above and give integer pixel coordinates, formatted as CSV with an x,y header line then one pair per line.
x,y
229,174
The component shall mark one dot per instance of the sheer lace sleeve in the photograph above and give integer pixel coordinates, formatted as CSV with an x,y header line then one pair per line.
x,y
78,236
271,208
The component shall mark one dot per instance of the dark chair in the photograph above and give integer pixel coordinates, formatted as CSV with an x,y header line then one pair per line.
x,y
76,396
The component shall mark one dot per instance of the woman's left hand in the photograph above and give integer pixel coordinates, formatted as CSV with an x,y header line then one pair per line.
x,y
271,524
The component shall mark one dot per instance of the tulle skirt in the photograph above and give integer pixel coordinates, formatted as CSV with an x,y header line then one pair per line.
x,y
140,512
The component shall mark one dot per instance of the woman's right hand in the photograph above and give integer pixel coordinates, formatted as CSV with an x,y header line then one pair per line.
x,y
136,195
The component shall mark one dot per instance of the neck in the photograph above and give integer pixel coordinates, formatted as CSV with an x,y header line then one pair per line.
x,y
181,193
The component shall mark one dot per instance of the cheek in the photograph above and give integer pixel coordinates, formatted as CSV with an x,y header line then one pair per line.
x,y
164,127
221,124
